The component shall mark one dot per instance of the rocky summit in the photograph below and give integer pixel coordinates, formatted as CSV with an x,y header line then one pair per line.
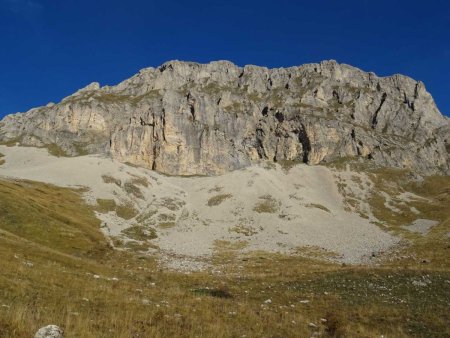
x,y
186,118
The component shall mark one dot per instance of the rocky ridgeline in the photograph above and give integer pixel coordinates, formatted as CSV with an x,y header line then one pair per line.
x,y
186,118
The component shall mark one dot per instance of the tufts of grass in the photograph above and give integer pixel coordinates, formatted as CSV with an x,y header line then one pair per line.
x,y
110,179
142,181
167,217
144,217
216,293
340,163
267,204
55,150
136,246
243,230
221,245
111,98
132,189
317,206
269,165
131,164
2,161
172,204
315,252
218,199
11,142
80,148
105,205
289,164
140,233
126,211
117,241
166,225
215,189
52,148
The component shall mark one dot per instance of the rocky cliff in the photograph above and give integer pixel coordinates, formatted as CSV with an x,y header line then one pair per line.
x,y
186,118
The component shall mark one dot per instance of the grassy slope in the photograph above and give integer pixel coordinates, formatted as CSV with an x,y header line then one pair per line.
x,y
51,248
435,246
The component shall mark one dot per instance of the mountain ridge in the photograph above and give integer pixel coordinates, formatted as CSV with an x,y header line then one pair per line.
x,y
185,118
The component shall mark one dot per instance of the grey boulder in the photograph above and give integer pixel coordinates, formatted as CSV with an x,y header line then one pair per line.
x,y
50,331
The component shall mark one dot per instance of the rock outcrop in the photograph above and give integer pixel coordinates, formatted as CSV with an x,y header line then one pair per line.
x,y
186,118
50,331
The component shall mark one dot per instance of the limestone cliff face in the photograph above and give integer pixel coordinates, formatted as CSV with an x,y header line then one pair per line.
x,y
187,118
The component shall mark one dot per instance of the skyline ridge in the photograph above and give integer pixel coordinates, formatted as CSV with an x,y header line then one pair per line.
x,y
101,85
50,49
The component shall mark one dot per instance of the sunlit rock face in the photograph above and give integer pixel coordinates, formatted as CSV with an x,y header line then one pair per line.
x,y
185,118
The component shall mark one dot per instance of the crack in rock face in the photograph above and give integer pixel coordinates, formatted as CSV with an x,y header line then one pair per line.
x,y
186,118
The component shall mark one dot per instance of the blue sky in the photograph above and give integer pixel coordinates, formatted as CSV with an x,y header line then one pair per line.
x,y
51,48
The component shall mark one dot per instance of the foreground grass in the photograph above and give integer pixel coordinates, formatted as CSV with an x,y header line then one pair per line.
x,y
56,268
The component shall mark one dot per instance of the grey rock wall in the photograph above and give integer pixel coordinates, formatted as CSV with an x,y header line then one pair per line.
x,y
186,118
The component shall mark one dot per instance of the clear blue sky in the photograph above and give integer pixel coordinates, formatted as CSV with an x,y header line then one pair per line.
x,y
50,48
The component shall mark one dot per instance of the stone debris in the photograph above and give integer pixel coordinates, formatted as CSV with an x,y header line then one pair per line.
x,y
421,226
186,230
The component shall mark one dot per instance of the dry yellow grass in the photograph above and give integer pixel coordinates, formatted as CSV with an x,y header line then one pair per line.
x,y
111,179
56,268
218,199
267,204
